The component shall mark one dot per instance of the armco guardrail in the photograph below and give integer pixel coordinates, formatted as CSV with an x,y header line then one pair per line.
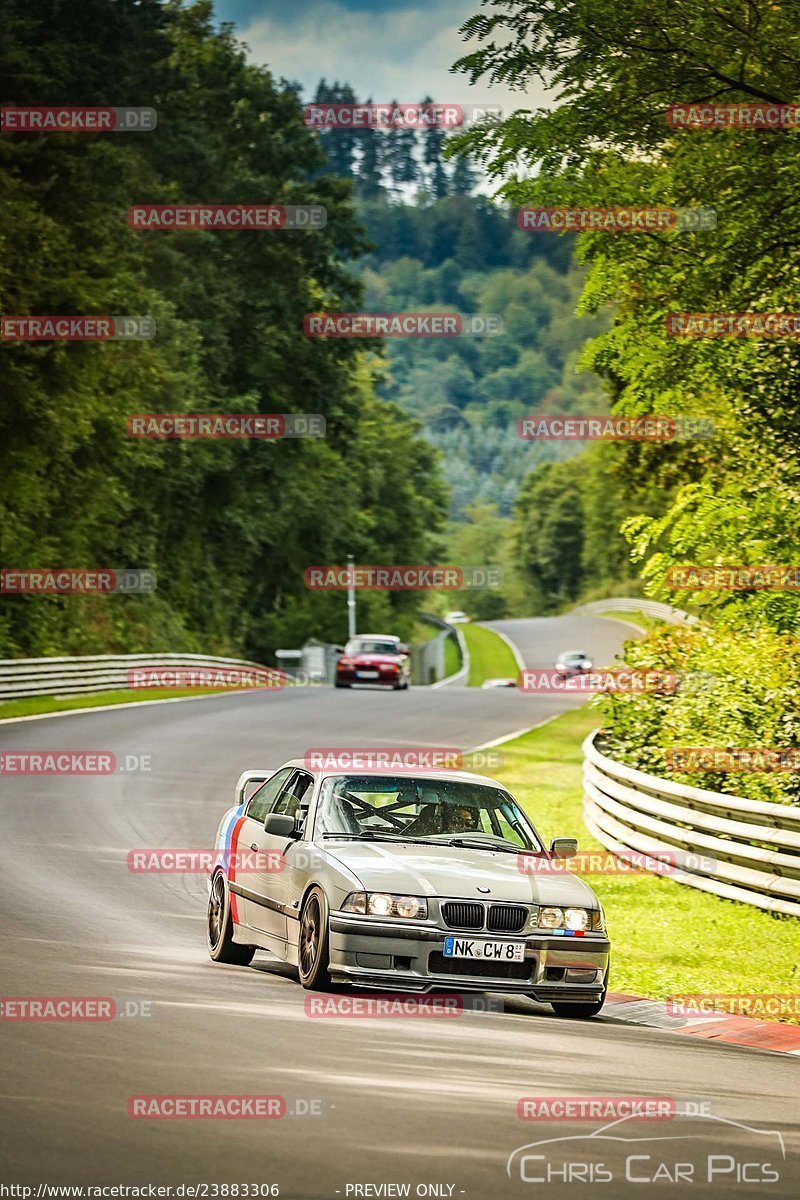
x,y
747,850
651,608
461,676
21,677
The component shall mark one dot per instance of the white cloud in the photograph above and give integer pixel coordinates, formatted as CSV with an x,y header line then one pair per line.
x,y
401,54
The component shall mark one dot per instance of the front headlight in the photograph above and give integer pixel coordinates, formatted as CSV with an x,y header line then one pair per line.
x,y
575,919
383,904
551,918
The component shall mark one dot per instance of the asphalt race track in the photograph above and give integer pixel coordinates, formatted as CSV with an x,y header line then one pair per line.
x,y
415,1101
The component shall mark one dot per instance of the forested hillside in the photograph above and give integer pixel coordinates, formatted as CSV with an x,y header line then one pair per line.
x,y
730,503
229,526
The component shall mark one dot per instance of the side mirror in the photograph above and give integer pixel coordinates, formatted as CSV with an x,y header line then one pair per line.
x,y
339,649
402,648
561,847
280,825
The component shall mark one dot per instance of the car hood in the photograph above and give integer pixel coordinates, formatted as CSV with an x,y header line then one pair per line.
x,y
456,871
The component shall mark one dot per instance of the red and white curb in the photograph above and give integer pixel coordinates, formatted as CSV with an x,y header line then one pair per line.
x,y
739,1031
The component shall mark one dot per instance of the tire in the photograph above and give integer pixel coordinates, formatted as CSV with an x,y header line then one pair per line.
x,y
221,946
579,1011
341,685
313,942
563,1008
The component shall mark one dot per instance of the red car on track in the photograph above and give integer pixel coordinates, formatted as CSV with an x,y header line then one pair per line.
x,y
375,658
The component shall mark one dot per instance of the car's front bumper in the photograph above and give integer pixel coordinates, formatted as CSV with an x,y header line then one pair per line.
x,y
409,956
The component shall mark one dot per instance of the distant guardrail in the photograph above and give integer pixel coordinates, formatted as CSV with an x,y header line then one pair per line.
x,y
461,676
20,677
651,608
746,850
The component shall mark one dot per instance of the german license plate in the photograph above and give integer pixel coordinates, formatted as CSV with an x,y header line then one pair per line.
x,y
368,674
455,947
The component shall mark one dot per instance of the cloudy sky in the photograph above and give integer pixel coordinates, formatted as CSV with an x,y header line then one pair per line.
x,y
387,49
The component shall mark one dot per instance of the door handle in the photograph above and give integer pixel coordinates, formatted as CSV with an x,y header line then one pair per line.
x,y
253,846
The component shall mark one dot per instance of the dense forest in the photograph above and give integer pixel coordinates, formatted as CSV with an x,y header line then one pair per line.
x,y
731,499
228,526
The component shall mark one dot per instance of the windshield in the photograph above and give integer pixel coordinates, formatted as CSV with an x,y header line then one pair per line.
x,y
574,656
371,646
411,809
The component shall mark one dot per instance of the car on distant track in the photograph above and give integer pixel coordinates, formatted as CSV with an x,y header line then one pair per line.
x,y
573,662
376,658
456,617
504,681
403,881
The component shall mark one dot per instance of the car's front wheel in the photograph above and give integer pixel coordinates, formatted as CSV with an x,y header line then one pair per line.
x,y
221,945
312,950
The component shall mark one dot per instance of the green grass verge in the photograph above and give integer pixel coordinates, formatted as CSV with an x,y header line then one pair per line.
x,y
33,705
452,657
633,618
666,938
489,656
